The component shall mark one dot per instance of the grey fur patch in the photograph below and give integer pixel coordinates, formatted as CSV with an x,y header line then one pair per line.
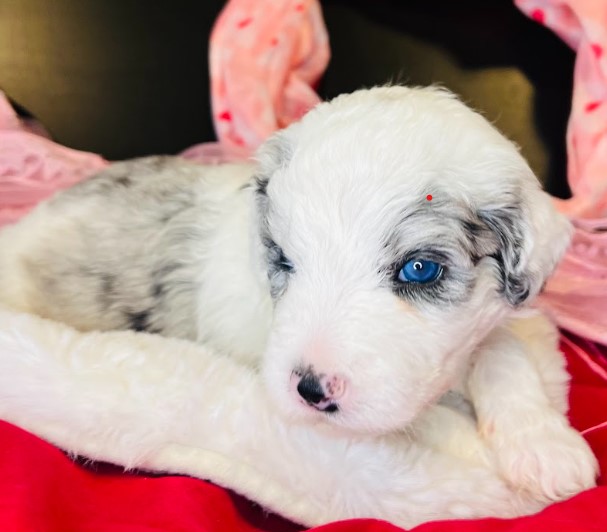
x,y
138,321
278,267
432,232
276,153
107,289
506,225
489,233
129,259
494,234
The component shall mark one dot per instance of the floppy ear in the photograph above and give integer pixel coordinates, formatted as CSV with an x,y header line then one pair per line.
x,y
274,154
531,237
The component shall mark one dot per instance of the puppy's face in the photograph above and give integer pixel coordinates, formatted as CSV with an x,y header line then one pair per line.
x,y
399,228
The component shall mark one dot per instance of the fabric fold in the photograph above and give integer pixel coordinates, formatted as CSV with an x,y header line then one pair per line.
x,y
576,296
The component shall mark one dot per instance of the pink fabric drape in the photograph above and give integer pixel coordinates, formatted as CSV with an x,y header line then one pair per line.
x,y
576,296
33,167
265,57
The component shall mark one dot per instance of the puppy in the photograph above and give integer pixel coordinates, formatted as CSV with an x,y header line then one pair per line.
x,y
373,262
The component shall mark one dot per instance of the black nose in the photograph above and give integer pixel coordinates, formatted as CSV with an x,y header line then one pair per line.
x,y
310,389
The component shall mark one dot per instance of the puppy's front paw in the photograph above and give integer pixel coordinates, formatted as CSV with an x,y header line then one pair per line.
x,y
548,458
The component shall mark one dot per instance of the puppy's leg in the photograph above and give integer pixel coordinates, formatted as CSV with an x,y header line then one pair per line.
x,y
518,387
540,337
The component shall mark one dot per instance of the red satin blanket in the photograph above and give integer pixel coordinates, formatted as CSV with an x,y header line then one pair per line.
x,y
42,490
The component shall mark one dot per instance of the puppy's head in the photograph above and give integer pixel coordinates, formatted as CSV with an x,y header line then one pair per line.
x,y
399,228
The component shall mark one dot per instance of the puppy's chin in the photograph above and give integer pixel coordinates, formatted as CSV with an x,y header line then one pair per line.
x,y
347,421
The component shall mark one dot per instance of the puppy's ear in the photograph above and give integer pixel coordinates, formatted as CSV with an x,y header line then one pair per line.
x,y
530,238
274,154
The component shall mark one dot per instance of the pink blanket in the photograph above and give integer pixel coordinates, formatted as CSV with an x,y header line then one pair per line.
x,y
32,167
265,57
577,295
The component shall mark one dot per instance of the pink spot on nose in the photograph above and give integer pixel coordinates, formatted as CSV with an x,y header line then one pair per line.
x,y
300,7
335,387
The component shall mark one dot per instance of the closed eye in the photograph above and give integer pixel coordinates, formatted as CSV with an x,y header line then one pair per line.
x,y
277,257
283,263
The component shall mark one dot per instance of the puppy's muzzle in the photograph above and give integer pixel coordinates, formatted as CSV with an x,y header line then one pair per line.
x,y
320,391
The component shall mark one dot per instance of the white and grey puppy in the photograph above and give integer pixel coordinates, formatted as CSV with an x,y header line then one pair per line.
x,y
364,300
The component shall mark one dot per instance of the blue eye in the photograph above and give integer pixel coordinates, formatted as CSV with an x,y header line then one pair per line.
x,y
419,271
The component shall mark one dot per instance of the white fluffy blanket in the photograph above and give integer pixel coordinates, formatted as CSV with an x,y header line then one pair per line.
x,y
143,401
